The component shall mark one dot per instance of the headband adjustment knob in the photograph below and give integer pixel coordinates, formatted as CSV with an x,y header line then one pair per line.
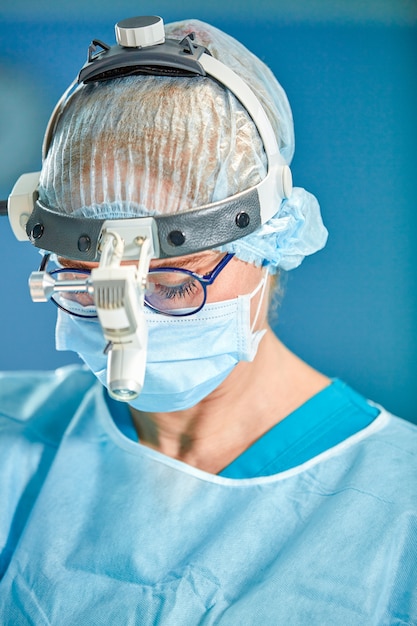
x,y
140,32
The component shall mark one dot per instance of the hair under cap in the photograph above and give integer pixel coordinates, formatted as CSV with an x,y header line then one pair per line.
x,y
144,145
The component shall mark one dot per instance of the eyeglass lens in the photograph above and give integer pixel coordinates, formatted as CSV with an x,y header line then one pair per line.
x,y
174,292
77,303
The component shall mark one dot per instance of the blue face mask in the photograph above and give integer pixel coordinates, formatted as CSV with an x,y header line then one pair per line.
x,y
187,358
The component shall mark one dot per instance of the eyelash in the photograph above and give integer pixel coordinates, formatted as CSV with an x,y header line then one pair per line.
x,y
186,289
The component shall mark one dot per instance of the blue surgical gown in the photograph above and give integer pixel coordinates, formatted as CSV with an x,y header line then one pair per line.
x,y
98,529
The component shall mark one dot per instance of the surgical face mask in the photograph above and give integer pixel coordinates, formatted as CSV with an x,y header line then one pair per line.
x,y
188,357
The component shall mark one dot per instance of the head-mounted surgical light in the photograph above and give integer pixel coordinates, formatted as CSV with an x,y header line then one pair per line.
x,y
118,290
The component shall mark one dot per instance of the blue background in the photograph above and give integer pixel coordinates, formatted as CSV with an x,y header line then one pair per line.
x,y
350,75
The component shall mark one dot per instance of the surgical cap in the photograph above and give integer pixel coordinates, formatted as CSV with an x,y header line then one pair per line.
x,y
146,145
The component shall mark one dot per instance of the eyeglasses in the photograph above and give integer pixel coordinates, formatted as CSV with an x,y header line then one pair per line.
x,y
169,290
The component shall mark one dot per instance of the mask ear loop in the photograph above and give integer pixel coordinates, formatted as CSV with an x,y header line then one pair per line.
x,y
262,285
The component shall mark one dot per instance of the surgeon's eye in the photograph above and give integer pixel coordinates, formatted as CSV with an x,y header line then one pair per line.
x,y
185,290
167,291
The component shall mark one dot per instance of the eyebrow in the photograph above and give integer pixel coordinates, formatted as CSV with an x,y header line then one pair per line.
x,y
79,265
181,262
184,262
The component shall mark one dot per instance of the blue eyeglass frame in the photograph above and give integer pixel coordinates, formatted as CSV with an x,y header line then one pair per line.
x,y
205,280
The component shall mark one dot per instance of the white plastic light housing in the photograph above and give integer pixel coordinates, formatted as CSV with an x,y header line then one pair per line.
x,y
20,203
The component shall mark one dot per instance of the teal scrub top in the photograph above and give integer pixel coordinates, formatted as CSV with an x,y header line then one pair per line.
x,y
326,419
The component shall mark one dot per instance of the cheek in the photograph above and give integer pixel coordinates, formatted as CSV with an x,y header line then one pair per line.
x,y
238,278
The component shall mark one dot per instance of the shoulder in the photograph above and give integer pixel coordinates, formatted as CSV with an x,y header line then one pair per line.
x,y
386,436
44,401
382,460
396,436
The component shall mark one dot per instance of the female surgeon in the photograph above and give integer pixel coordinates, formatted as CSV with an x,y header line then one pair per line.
x,y
240,486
